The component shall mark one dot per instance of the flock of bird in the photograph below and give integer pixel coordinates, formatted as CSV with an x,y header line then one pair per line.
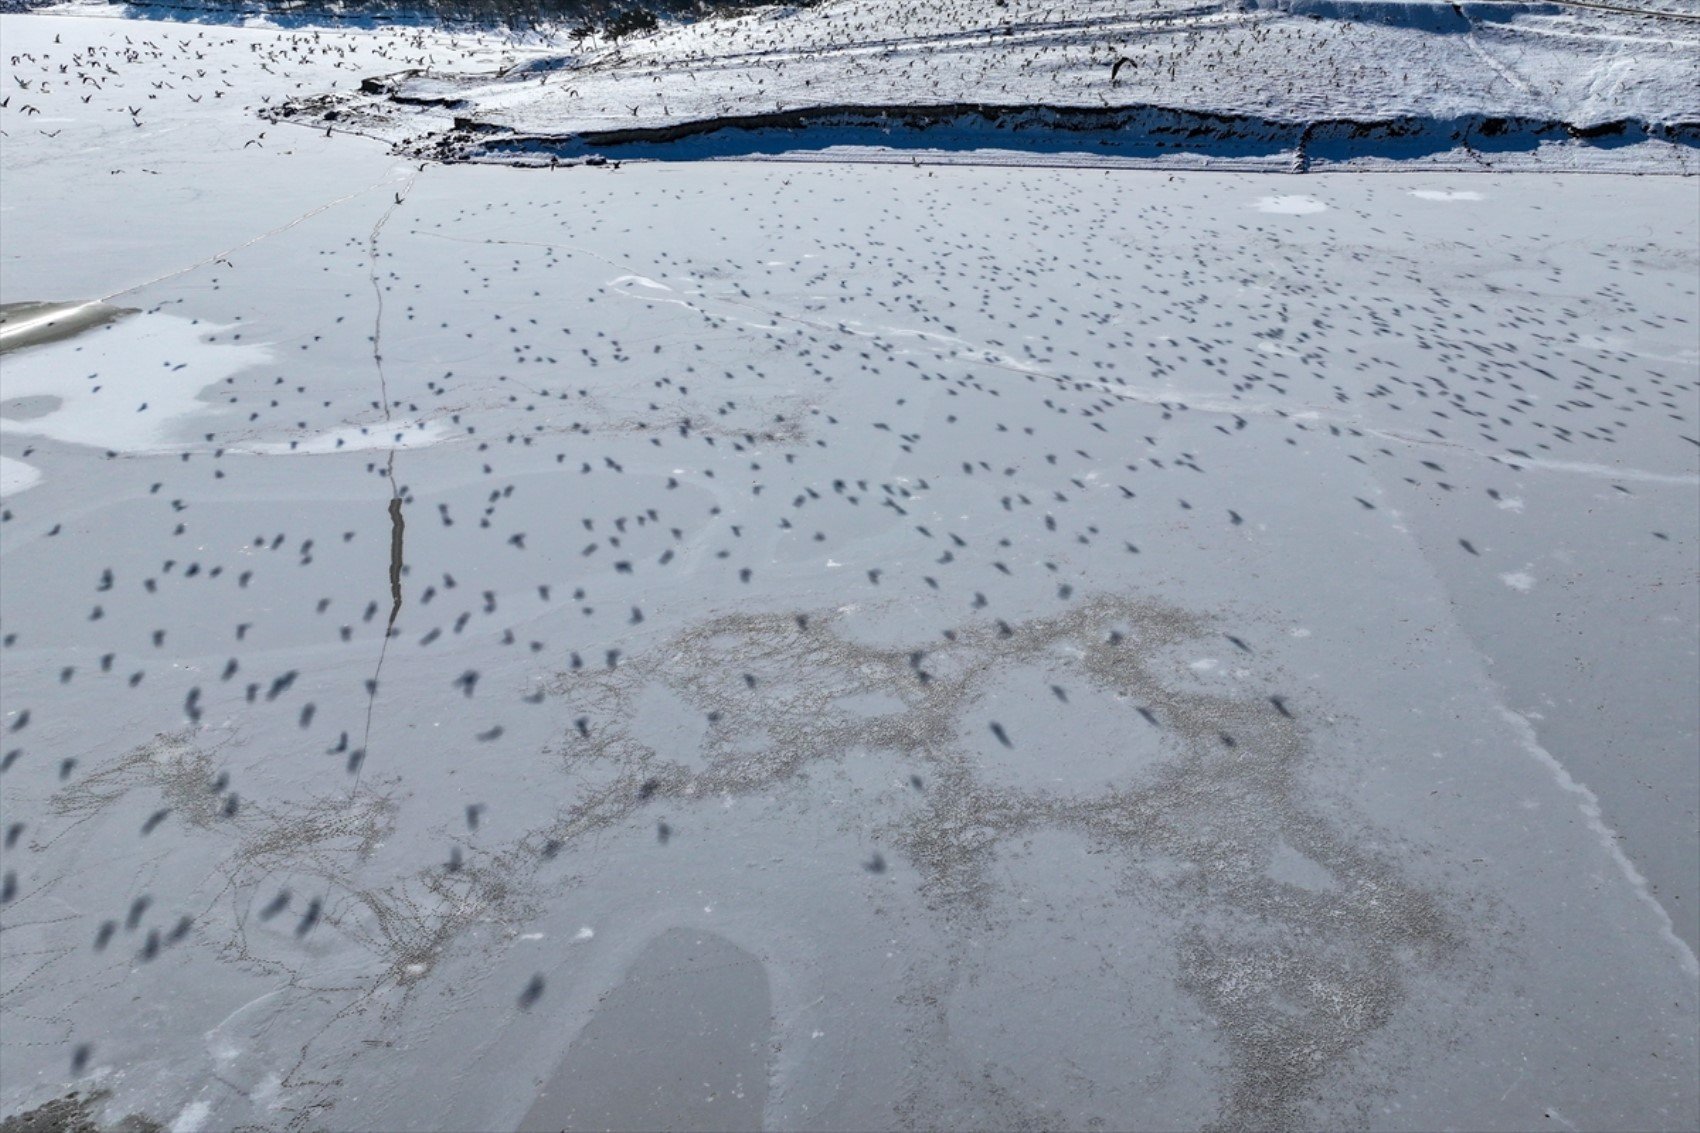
x,y
1403,67
972,402
149,74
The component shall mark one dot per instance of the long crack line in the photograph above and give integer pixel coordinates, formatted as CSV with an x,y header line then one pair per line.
x,y
398,525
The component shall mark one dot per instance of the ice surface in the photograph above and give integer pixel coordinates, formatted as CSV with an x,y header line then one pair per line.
x,y
681,1043
1329,577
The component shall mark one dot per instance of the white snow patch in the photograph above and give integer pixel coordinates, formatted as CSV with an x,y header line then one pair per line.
x,y
16,476
1616,344
193,1117
222,1050
268,1092
354,438
1518,580
127,389
1604,471
640,281
584,933
1447,195
1290,205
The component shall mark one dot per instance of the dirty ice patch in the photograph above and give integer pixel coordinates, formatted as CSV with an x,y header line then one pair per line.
x,y
129,388
16,476
1447,195
1290,204
405,433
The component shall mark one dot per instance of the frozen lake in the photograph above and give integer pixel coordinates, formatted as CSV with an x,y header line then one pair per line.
x,y
705,644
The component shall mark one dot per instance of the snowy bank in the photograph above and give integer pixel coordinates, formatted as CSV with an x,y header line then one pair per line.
x,y
1289,86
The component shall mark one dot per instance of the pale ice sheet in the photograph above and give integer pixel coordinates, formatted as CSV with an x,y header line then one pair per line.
x,y
131,387
1143,409
16,476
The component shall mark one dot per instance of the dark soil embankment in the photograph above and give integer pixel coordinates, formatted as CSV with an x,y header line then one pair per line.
x,y
1126,131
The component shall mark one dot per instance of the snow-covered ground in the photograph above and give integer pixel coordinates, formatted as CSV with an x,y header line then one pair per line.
x,y
1336,83
731,643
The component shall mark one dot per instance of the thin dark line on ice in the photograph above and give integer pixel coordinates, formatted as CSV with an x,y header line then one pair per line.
x,y
398,524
